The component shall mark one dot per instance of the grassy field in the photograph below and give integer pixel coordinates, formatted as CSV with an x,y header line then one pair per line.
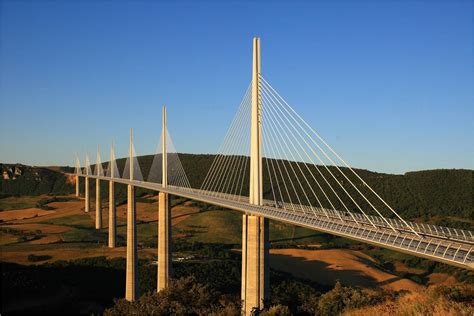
x,y
7,238
77,221
17,203
214,226
225,226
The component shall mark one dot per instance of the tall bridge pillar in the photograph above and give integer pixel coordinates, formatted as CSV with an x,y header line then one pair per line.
x,y
132,255
264,285
112,208
98,205
164,220
255,269
77,186
164,241
112,215
255,272
87,199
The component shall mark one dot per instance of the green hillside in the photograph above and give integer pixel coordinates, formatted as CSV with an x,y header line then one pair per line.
x,y
17,180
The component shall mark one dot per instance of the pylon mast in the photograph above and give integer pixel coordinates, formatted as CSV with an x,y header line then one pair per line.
x,y
255,195
163,151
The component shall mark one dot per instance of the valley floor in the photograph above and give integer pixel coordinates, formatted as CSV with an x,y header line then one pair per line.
x,y
65,232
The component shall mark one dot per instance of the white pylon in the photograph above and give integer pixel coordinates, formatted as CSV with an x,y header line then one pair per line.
x,y
255,270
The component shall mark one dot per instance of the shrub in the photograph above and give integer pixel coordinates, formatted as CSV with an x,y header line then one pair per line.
x,y
341,298
183,297
35,258
276,310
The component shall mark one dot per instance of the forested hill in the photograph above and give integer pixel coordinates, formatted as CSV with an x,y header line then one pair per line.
x,y
439,196
18,179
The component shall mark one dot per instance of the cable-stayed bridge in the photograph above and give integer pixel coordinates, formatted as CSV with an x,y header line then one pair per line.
x,y
271,165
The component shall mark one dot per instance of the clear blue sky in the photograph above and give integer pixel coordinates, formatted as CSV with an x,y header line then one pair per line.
x,y
389,84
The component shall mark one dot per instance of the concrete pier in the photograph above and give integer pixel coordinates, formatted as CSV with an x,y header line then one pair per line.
x,y
244,260
255,268
164,241
112,215
77,186
252,291
98,206
264,285
164,218
87,199
132,256
131,293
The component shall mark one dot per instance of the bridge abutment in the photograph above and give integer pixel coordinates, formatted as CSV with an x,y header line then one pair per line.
x,y
112,215
164,241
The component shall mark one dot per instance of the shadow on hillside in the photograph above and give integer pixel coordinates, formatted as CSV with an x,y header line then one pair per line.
x,y
324,273
295,238
59,289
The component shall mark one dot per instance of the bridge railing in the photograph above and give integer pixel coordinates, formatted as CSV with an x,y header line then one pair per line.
x,y
444,249
454,251
423,229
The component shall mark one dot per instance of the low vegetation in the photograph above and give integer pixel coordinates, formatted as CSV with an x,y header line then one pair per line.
x,y
186,296
35,258
183,297
436,300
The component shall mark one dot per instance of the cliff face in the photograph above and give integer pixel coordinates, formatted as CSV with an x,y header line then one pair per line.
x,y
11,172
19,179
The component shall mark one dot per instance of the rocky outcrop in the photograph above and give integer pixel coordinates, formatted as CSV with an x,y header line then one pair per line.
x,y
18,179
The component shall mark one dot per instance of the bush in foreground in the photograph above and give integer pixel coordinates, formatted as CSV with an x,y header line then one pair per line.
x,y
183,297
436,300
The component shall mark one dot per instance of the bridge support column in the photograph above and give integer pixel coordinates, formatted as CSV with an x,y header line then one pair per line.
x,y
264,284
77,186
87,200
112,215
164,241
255,269
131,277
255,272
98,205
132,253
164,218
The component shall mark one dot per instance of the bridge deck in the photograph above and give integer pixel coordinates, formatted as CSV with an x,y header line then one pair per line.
x,y
450,246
